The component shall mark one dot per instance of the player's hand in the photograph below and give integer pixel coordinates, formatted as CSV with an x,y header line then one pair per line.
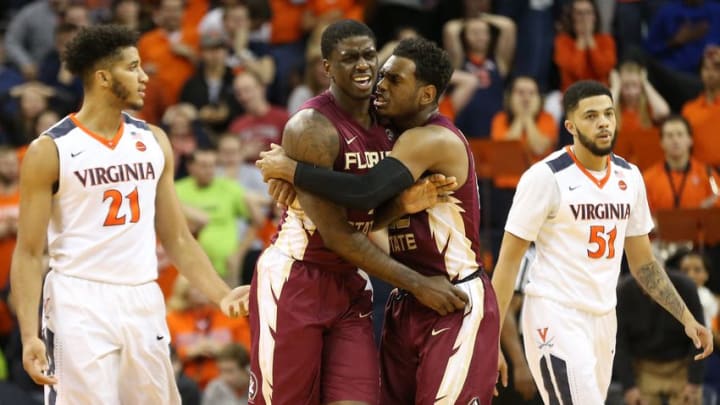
x,y
427,192
633,397
502,372
282,192
275,164
523,382
35,361
701,337
236,302
440,295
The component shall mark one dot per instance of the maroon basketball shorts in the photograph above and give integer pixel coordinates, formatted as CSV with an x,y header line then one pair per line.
x,y
312,335
428,359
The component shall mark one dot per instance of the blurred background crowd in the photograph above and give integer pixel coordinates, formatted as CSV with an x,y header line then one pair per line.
x,y
225,75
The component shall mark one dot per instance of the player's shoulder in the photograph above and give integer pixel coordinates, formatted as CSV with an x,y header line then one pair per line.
x,y
309,121
620,165
557,161
135,122
540,175
61,128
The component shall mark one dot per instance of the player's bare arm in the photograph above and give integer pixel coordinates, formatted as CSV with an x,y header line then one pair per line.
x,y
38,174
512,346
655,281
310,137
512,250
181,246
417,151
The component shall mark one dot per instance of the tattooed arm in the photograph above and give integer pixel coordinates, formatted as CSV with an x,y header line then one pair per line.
x,y
654,280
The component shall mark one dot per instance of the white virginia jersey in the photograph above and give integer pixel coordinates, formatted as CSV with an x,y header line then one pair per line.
x,y
102,225
579,224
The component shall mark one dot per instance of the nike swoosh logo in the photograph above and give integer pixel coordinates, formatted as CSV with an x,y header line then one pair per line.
x,y
159,337
436,332
72,155
351,140
571,188
365,315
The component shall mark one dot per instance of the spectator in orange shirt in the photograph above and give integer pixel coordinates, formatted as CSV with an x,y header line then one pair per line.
x,y
286,45
320,13
473,46
199,330
168,54
523,119
680,181
582,52
639,108
703,113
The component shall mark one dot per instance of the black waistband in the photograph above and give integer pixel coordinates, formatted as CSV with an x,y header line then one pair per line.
x,y
476,274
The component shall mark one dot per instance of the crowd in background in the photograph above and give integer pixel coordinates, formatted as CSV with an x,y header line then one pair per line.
x,y
225,75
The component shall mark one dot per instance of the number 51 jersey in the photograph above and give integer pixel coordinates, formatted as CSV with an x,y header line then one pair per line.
x,y
579,221
102,225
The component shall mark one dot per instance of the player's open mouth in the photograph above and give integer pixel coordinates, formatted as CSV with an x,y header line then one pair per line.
x,y
363,81
380,101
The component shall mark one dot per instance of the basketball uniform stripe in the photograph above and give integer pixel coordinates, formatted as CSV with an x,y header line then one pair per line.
x,y
49,338
547,382
559,367
273,271
459,363
447,229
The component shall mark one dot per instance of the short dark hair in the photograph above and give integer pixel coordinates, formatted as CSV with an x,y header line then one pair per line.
x,y
234,352
432,64
582,90
96,44
676,118
341,30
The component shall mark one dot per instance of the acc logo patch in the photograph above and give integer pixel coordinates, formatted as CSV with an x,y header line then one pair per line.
x,y
140,146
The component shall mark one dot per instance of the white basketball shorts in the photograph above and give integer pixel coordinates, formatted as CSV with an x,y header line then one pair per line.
x,y
570,352
106,343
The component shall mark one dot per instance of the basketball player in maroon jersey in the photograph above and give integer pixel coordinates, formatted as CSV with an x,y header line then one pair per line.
x,y
426,358
310,306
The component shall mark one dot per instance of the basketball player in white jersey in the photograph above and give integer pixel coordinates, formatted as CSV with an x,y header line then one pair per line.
x,y
582,206
98,185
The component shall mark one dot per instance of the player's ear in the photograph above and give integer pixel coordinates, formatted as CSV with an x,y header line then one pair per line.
x,y
427,94
570,126
326,67
102,77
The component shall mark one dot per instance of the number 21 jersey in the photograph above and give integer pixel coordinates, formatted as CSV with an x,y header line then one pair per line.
x,y
103,213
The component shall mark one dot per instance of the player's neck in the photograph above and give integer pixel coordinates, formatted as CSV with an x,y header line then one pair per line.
x,y
357,108
417,120
99,117
589,160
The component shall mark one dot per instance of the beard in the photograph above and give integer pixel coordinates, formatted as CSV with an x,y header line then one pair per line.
x,y
587,142
122,93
